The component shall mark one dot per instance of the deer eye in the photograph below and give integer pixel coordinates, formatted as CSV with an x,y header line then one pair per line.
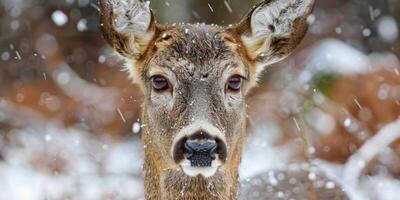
x,y
160,83
234,83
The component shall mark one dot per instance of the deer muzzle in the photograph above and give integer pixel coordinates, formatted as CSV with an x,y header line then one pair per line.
x,y
200,153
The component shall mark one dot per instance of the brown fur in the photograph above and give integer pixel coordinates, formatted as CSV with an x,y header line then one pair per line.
x,y
195,58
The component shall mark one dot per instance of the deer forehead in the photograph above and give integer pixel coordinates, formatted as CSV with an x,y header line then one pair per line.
x,y
193,52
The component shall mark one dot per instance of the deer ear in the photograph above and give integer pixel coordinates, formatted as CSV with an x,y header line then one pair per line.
x,y
127,25
273,29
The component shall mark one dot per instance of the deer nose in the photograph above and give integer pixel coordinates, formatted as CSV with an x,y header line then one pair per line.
x,y
201,153
200,149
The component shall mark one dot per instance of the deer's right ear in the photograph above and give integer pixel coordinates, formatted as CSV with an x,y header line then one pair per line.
x,y
272,30
127,25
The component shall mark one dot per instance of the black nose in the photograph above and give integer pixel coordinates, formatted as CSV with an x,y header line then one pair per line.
x,y
201,153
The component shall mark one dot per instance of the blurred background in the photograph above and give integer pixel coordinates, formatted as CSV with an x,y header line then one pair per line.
x,y
70,125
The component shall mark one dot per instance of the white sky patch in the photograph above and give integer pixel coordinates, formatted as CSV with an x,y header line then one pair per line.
x,y
59,18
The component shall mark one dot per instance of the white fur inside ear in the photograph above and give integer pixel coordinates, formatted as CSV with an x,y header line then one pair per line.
x,y
131,16
276,18
269,21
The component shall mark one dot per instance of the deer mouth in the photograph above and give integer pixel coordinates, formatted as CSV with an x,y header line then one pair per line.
x,y
200,154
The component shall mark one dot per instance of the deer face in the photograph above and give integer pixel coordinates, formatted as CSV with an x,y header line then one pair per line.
x,y
196,77
196,83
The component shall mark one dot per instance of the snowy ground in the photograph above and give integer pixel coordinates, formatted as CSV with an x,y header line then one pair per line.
x,y
47,161
58,163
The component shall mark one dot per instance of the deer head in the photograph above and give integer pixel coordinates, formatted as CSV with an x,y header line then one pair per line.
x,y
196,79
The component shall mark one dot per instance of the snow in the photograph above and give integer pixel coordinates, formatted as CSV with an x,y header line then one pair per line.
x,y
358,186
311,19
15,25
388,29
366,32
42,159
320,121
59,18
347,122
63,78
5,56
259,155
69,162
102,59
210,7
387,135
334,55
136,127
228,7
82,25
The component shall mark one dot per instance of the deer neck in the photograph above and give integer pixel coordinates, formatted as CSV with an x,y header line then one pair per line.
x,y
162,182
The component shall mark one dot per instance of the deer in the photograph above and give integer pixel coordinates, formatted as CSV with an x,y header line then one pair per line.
x,y
196,79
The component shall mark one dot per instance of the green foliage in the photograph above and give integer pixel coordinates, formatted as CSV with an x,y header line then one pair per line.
x,y
324,81
321,83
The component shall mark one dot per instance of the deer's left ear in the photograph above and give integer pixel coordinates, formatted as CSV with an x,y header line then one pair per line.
x,y
273,29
